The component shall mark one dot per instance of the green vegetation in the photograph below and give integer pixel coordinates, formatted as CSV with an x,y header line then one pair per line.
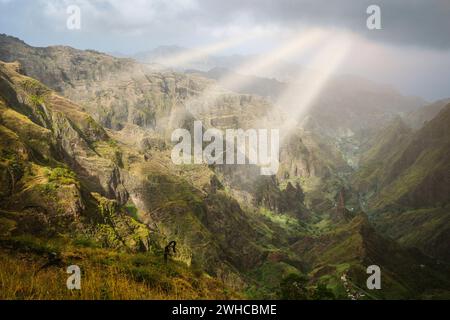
x,y
132,210
37,100
61,176
110,200
37,93
293,287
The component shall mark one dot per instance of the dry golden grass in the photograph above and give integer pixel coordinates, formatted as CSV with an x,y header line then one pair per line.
x,y
19,280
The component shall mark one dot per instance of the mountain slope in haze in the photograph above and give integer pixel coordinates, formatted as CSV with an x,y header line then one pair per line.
x,y
420,166
352,105
202,63
282,70
419,117
265,87
347,105
405,178
346,114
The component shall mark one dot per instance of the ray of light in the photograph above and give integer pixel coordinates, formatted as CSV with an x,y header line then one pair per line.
x,y
301,94
297,45
196,54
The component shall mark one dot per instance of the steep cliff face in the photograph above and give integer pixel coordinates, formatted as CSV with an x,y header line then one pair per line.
x,y
53,178
380,152
114,91
413,166
404,178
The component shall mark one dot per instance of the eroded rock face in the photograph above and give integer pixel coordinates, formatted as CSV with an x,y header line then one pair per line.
x,y
52,157
114,91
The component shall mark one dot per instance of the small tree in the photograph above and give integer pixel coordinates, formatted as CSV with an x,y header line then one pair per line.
x,y
300,193
293,287
323,293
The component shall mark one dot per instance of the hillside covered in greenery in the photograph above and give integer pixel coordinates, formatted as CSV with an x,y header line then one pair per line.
x,y
86,178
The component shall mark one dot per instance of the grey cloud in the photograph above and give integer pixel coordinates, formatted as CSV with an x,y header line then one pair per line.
x,y
424,23
419,30
405,22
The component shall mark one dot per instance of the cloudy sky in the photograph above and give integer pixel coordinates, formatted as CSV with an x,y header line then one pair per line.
x,y
410,52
